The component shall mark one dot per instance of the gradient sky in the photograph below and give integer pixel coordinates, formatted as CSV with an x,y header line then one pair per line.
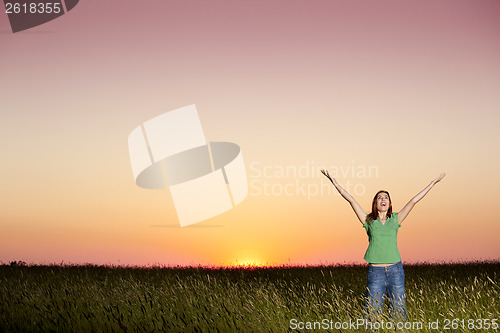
x,y
398,91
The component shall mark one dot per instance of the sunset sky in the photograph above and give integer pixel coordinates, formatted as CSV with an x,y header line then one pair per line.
x,y
386,94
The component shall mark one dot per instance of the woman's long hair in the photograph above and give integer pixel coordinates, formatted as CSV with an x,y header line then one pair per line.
x,y
374,214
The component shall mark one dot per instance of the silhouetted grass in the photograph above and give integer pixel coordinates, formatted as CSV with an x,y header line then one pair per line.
x,y
207,299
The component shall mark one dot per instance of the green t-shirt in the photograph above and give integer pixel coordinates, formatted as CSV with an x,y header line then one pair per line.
x,y
383,247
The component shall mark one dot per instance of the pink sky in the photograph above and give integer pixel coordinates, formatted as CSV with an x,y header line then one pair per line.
x,y
408,87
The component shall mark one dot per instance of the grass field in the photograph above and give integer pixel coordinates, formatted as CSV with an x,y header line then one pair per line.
x,y
278,299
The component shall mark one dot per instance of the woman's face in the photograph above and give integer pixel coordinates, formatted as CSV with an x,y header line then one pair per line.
x,y
383,202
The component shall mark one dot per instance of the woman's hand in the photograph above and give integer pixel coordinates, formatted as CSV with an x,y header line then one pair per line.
x,y
327,175
441,176
409,206
354,204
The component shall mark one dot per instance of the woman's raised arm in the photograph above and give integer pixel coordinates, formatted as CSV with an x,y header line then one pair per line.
x,y
409,206
354,204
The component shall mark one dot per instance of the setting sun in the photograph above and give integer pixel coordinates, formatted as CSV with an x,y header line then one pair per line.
x,y
248,262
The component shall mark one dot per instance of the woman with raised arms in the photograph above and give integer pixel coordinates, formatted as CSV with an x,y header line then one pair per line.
x,y
385,270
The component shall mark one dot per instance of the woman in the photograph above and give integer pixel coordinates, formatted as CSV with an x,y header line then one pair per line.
x,y
385,270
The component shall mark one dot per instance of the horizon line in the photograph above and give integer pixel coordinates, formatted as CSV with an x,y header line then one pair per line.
x,y
244,266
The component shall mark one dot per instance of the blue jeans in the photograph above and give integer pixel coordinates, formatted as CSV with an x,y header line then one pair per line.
x,y
390,279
